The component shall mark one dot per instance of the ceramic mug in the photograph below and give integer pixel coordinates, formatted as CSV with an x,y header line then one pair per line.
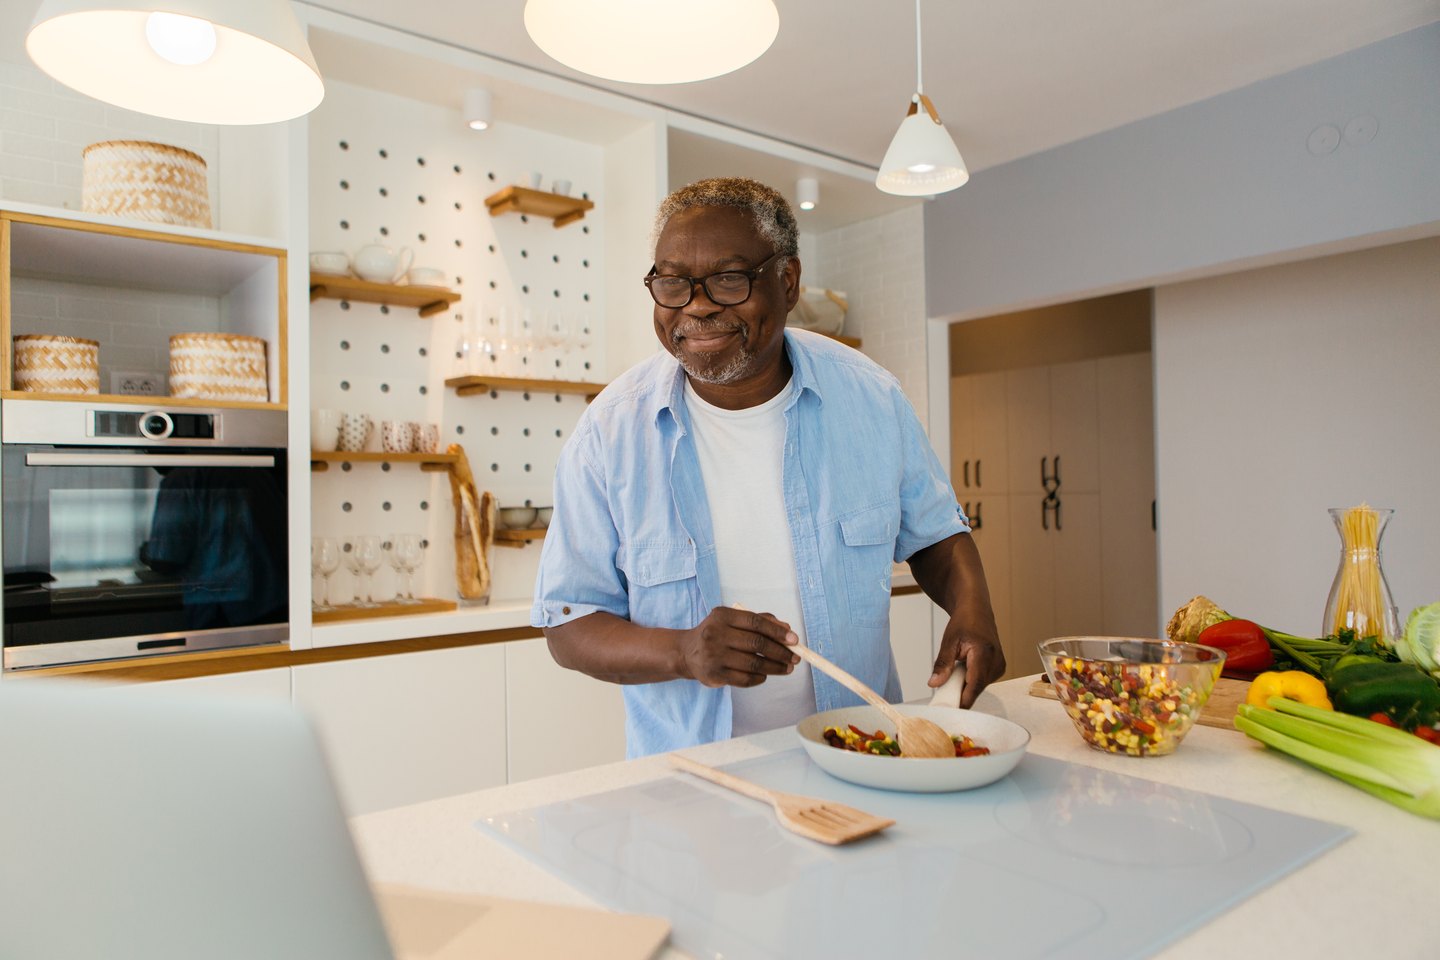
x,y
562,187
325,429
330,262
425,437
425,276
396,436
355,431
536,179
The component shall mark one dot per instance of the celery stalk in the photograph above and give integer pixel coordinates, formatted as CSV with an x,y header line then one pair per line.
x,y
1301,749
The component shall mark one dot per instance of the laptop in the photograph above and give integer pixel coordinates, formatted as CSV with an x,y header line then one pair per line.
x,y
144,823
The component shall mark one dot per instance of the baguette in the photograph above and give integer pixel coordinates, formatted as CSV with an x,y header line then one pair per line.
x,y
474,529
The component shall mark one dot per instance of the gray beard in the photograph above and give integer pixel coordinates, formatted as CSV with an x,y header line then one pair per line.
x,y
732,370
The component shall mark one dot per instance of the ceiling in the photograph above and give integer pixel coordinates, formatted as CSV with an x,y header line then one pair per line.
x,y
1009,77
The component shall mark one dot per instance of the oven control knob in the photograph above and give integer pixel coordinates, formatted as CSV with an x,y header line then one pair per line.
x,y
156,425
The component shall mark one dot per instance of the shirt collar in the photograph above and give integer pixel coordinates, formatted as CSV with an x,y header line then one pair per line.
x,y
672,400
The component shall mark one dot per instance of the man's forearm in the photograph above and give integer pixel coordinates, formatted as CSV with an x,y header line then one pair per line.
x,y
951,574
612,648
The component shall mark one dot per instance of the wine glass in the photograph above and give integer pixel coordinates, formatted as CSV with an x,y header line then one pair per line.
x,y
350,553
406,555
324,560
371,553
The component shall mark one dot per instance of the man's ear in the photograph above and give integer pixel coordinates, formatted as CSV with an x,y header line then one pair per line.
x,y
791,276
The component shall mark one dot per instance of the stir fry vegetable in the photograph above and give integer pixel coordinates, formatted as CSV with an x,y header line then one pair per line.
x,y
881,744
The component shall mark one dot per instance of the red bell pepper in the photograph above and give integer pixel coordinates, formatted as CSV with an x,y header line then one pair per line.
x,y
1244,642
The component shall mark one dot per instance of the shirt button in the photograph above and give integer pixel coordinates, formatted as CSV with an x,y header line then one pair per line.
x,y
565,610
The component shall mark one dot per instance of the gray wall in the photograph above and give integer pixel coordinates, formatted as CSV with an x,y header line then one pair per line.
x,y
1224,181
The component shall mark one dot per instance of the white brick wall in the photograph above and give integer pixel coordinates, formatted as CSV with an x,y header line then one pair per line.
x,y
45,125
879,265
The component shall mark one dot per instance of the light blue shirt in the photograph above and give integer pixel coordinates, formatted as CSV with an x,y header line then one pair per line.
x,y
631,533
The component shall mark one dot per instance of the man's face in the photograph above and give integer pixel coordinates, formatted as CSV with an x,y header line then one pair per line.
x,y
724,345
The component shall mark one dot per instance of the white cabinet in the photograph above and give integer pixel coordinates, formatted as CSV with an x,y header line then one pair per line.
x,y
1067,542
409,727
557,720
272,684
912,643
978,428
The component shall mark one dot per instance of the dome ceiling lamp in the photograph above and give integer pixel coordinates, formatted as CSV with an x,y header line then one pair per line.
x,y
653,41
202,61
923,159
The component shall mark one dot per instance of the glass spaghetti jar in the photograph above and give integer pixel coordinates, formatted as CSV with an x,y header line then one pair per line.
x,y
1360,599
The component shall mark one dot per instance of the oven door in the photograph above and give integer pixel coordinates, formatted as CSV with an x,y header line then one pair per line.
x,y
120,552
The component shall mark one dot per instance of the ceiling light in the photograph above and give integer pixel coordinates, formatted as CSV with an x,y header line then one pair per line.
x,y
807,192
203,61
922,160
477,108
653,41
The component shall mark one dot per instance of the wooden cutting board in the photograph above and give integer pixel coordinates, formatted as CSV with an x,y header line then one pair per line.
x,y
1219,710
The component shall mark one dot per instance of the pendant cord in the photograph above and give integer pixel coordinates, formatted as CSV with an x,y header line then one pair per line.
x,y
919,83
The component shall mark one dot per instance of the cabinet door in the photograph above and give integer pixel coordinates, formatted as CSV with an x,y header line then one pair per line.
x,y
557,720
911,641
962,433
1127,495
990,469
1078,596
272,684
409,727
1027,423
1074,428
1032,583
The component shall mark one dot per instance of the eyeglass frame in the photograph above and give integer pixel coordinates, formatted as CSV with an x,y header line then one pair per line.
x,y
752,274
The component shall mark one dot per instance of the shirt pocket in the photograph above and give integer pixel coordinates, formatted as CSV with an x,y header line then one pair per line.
x,y
868,547
663,588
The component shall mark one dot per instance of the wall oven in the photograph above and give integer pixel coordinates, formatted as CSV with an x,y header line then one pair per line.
x,y
130,531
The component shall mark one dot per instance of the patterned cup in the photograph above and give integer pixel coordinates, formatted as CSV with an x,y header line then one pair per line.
x,y
355,432
425,437
396,436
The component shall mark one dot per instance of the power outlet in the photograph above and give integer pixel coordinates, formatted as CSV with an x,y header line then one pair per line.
x,y
129,382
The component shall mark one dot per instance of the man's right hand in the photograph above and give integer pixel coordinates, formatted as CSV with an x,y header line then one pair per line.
x,y
737,648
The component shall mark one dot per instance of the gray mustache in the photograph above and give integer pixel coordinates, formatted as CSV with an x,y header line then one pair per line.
x,y
703,329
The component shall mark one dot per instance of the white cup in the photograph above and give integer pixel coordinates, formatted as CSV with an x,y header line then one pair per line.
x,y
325,429
536,179
425,276
327,261
562,187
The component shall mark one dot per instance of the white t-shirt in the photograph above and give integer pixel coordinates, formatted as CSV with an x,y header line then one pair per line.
x,y
741,455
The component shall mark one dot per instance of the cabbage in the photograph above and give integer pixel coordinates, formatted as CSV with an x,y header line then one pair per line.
x,y
1421,643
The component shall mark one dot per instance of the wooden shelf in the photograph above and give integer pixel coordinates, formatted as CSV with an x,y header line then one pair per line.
x,y
423,605
430,300
564,210
468,386
320,460
518,538
145,402
848,341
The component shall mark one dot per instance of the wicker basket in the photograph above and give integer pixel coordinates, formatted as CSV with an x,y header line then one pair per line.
x,y
218,366
45,363
140,180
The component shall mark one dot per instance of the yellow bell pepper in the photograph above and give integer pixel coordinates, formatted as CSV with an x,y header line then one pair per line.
x,y
1290,684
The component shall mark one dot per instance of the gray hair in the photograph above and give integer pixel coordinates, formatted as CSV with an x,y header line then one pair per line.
x,y
774,219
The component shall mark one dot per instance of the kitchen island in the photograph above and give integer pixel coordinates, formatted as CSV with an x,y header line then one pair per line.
x,y
1368,896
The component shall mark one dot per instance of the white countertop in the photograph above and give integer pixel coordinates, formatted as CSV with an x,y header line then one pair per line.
x,y
1373,895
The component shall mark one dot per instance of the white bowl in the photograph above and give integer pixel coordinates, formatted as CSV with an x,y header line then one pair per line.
x,y
516,518
330,262
1006,739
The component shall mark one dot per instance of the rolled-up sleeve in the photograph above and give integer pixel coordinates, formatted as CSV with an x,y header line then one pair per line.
x,y
578,574
929,512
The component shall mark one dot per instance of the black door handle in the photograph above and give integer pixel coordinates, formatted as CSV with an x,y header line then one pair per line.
x,y
976,522
977,473
967,474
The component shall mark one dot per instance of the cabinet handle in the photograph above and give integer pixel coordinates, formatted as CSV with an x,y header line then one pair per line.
x,y
1050,479
967,473
976,522
1045,514
977,473
1152,515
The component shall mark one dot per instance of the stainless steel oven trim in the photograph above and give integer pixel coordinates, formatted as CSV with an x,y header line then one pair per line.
x,y
33,656
64,423
146,460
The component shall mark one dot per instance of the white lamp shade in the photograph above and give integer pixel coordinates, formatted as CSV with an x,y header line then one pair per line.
x,y
922,160
653,41
477,108
261,70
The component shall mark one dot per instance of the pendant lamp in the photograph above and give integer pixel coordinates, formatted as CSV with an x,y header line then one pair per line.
x,y
653,41
922,160
204,61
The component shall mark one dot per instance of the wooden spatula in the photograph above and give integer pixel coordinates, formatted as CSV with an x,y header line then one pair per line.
x,y
815,819
918,737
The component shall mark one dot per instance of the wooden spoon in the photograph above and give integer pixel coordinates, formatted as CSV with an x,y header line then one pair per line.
x,y
918,737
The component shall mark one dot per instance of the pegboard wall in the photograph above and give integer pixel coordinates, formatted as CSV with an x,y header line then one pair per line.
x,y
385,169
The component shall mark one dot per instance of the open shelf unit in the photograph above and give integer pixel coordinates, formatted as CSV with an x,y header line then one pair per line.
x,y
422,605
474,383
564,210
429,300
320,460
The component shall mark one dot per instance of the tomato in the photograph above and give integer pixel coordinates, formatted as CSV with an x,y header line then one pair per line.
x,y
1244,642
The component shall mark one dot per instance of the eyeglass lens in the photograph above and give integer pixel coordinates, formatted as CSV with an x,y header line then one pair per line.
x,y
725,289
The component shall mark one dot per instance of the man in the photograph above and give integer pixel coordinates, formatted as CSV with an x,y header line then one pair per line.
x,y
743,492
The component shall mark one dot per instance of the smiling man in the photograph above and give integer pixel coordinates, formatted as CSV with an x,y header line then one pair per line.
x,y
745,491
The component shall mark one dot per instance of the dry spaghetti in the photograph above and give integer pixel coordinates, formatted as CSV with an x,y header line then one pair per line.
x,y
1359,594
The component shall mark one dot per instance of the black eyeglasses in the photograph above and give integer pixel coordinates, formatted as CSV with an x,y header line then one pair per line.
x,y
726,288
